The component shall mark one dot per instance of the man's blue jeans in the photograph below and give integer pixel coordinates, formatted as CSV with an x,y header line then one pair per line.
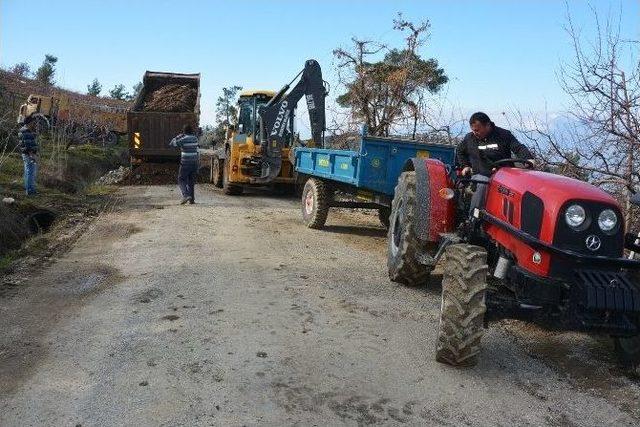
x,y
187,180
30,170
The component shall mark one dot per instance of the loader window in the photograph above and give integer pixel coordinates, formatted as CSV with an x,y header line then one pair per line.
x,y
245,117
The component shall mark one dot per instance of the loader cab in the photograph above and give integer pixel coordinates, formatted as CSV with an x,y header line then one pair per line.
x,y
46,106
32,106
248,128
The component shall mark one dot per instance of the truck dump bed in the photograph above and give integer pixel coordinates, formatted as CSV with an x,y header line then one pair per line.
x,y
154,121
375,167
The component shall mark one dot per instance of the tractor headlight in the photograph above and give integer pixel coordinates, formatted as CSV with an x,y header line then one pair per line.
x,y
607,220
575,216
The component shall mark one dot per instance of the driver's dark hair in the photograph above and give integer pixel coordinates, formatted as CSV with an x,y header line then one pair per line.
x,y
187,129
479,117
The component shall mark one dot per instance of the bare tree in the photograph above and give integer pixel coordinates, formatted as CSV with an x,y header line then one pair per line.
x,y
388,92
602,133
22,69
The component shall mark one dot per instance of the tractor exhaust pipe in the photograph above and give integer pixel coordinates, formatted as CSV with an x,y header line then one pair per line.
x,y
502,267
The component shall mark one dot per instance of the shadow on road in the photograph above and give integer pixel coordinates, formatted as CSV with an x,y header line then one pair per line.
x,y
356,231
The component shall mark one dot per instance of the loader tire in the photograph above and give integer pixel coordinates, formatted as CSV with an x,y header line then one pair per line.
x,y
464,284
227,187
404,250
316,196
217,166
383,216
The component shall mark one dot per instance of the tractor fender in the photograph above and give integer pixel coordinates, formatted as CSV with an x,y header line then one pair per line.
x,y
436,214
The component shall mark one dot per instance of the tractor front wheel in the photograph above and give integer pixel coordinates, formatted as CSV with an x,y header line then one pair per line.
x,y
464,285
404,250
628,351
316,196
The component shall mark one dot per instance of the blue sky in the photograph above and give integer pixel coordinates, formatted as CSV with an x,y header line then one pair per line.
x,y
499,55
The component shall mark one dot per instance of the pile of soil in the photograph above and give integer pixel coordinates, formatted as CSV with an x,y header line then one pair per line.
x,y
171,99
115,176
159,174
153,174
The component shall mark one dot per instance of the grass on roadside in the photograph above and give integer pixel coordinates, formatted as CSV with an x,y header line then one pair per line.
x,y
64,184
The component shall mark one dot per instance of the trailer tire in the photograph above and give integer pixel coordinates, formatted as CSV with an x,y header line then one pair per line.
x,y
404,250
217,166
316,196
228,188
383,216
464,286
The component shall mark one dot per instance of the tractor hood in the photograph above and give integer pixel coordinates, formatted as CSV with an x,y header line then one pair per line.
x,y
553,189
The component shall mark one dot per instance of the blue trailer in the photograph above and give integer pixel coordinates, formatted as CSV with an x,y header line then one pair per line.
x,y
366,177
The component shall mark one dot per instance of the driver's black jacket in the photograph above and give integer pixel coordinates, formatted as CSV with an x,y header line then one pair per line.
x,y
481,153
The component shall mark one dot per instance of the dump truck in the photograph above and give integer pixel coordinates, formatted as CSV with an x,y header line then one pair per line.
x,y
84,120
257,150
165,104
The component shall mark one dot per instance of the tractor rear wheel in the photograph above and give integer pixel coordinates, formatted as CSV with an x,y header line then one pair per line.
x,y
383,216
316,196
464,285
404,250
216,171
628,351
227,187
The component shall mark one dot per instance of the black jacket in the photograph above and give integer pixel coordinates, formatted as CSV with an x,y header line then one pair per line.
x,y
481,153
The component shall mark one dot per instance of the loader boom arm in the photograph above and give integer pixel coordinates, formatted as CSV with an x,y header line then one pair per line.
x,y
275,117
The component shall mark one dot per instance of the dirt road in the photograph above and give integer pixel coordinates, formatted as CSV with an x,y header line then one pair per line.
x,y
230,312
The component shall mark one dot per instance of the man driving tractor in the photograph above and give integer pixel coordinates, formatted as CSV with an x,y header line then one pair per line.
x,y
487,143
480,148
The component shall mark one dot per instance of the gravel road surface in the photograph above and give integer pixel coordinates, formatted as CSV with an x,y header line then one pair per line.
x,y
230,312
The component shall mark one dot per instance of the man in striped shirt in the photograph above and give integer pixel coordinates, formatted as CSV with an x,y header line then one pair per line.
x,y
188,144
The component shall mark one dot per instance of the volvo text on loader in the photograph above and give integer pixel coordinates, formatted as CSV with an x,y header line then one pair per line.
x,y
257,151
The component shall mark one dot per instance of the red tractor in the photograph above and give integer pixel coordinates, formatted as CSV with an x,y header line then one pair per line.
x,y
538,247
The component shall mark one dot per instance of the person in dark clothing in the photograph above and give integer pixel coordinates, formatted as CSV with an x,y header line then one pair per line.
x,y
188,144
487,143
28,145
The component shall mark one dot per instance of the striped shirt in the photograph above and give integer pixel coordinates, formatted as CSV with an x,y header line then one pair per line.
x,y
188,145
28,141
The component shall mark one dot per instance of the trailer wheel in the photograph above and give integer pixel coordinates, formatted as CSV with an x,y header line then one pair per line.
x,y
383,216
217,166
315,203
404,251
464,285
227,187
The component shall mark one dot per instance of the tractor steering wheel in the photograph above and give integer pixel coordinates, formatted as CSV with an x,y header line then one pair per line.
x,y
528,164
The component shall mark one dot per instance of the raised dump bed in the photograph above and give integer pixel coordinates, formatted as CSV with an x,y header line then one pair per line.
x,y
165,104
359,179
